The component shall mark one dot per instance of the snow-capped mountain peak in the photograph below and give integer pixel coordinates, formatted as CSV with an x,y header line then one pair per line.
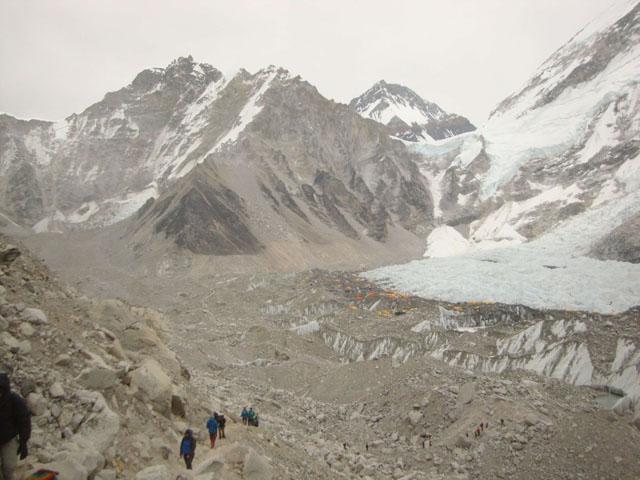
x,y
409,116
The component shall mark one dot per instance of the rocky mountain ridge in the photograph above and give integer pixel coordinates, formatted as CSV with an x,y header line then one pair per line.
x,y
315,168
407,115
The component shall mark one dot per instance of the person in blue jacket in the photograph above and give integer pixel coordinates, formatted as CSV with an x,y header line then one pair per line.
x,y
188,448
245,416
212,426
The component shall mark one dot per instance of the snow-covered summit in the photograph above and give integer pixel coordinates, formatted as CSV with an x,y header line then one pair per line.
x,y
410,116
534,205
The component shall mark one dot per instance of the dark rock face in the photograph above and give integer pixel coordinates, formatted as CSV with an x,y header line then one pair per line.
x,y
622,244
23,194
206,218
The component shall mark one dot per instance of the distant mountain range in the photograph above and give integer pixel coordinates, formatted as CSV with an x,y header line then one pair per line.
x,y
240,165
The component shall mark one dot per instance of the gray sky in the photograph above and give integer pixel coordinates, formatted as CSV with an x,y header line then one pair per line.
x,y
59,56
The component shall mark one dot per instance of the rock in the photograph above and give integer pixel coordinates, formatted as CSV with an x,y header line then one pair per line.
x,y
212,466
106,475
623,405
281,356
636,419
520,439
98,378
530,420
37,404
101,427
467,393
235,453
85,455
63,360
414,417
256,467
35,316
151,379
4,324
463,442
10,341
156,472
177,406
8,254
26,330
56,390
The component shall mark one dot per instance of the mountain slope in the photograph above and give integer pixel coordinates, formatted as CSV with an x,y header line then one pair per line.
x,y
303,169
566,143
407,115
220,156
552,178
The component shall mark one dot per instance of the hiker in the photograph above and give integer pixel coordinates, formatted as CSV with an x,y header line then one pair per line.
x,y
253,417
212,426
188,448
15,428
245,416
221,423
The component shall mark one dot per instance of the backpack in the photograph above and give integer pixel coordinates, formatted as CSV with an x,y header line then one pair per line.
x,y
43,475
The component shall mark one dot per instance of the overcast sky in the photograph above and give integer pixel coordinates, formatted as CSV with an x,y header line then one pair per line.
x,y
59,56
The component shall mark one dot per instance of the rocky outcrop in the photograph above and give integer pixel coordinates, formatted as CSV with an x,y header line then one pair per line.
x,y
94,374
622,244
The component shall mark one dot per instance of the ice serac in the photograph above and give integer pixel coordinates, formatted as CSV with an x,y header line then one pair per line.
x,y
548,188
407,115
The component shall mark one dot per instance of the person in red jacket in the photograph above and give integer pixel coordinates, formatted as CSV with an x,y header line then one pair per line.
x,y
15,428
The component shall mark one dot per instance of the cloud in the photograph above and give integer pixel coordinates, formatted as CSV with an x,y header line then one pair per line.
x,y
58,57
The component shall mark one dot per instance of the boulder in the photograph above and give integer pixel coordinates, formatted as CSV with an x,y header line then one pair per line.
x,y
636,419
106,475
10,341
101,427
85,455
256,467
4,324
463,442
63,360
211,466
98,378
35,316
26,330
37,404
151,379
177,406
8,254
623,405
235,453
56,390
467,393
156,472
414,417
